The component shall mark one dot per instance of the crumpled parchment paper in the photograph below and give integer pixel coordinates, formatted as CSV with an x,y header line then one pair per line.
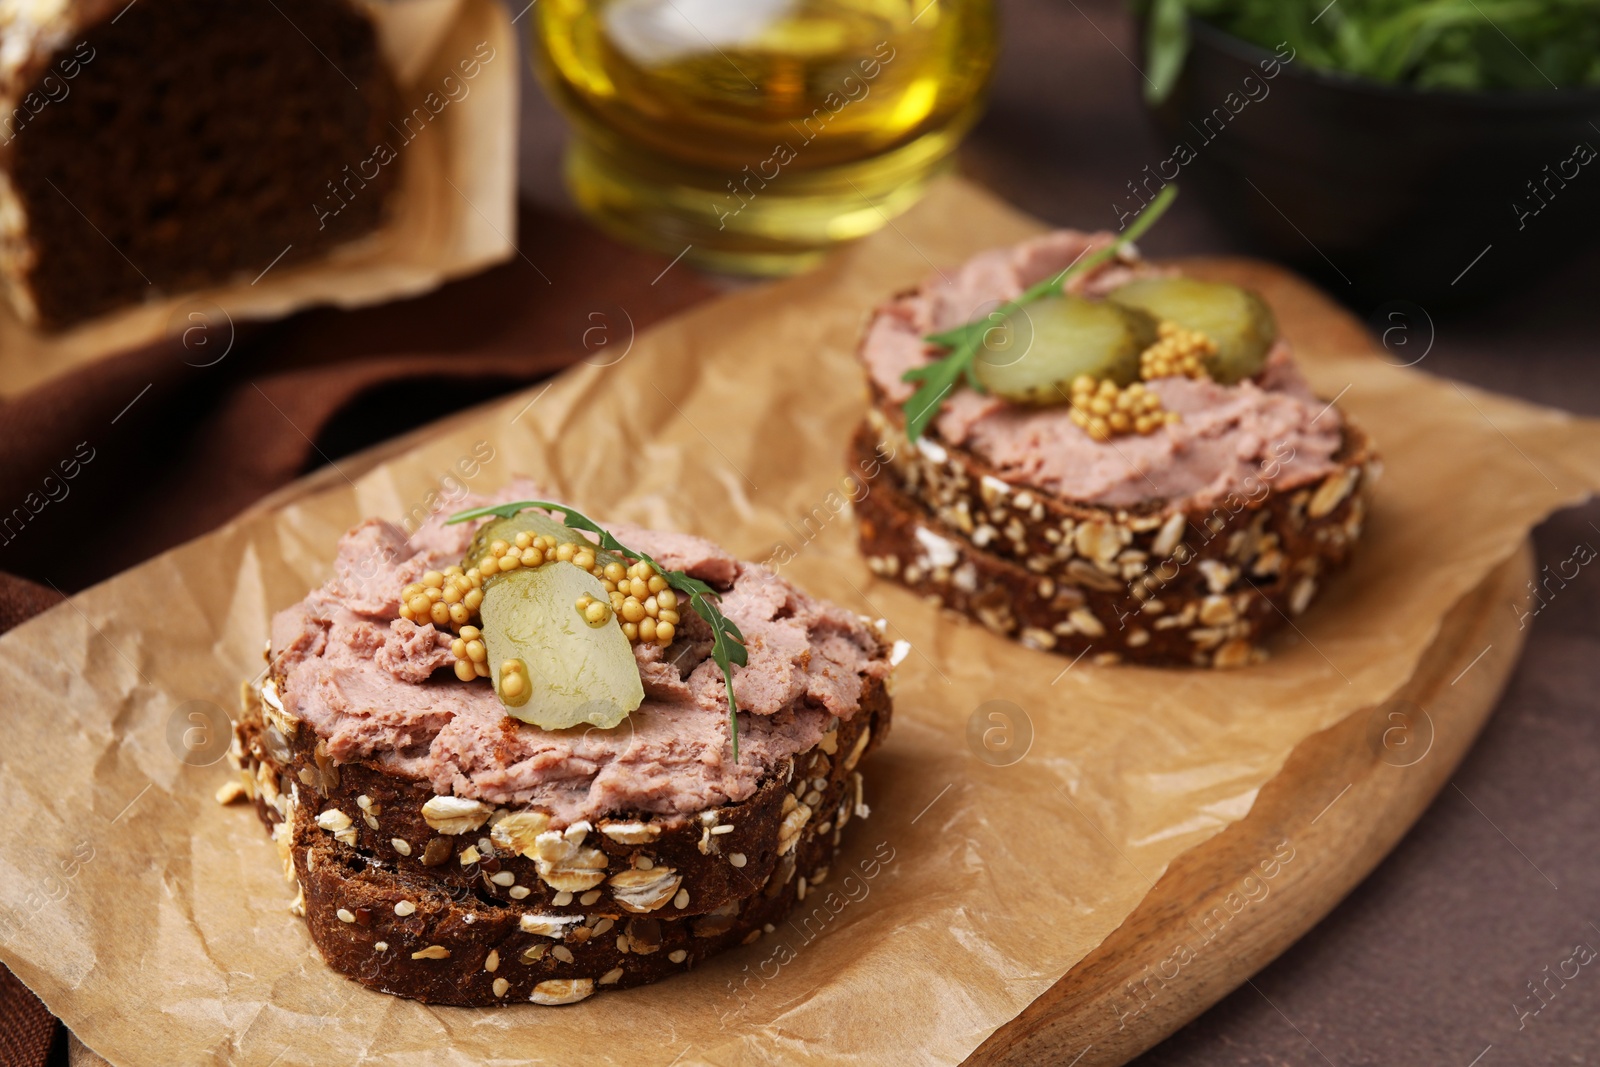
x,y
156,922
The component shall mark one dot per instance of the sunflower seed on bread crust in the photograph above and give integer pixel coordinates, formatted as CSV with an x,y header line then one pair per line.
x,y
552,869
417,936
1198,589
438,924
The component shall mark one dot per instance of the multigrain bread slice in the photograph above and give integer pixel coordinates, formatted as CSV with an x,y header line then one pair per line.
x,y
629,863
1267,535
399,789
410,930
1178,588
1083,523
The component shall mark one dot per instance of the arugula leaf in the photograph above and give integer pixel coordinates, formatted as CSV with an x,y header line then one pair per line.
x,y
727,648
727,643
936,380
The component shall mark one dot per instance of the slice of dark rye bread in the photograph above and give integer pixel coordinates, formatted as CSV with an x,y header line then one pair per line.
x,y
551,906
1199,587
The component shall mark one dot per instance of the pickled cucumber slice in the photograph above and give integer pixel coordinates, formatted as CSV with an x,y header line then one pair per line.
x,y
534,522
1236,319
573,674
1039,349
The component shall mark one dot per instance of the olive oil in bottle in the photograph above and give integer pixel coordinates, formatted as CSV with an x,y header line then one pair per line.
x,y
758,133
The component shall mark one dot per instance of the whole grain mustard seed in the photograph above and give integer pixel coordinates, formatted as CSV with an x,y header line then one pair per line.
x,y
595,613
1178,353
637,596
445,598
1104,410
515,688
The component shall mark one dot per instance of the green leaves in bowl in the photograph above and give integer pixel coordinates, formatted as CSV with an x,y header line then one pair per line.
x,y
1464,45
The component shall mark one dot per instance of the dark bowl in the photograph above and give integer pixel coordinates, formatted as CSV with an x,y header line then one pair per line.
x,y
1384,192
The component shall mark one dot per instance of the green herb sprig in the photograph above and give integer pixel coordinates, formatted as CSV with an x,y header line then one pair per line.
x,y
727,643
936,380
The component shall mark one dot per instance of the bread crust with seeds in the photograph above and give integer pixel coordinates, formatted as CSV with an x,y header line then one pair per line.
x,y
1197,587
439,935
370,810
402,955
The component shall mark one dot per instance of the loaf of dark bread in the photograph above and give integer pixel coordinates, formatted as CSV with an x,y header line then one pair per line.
x,y
171,144
1197,588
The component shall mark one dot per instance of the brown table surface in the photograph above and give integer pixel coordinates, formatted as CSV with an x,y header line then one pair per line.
x,y
1427,962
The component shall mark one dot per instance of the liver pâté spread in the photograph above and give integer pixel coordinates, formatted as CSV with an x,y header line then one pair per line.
x,y
381,688
1229,439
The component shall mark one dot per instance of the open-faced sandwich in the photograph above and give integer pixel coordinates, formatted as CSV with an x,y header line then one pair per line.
x,y
518,757
1098,456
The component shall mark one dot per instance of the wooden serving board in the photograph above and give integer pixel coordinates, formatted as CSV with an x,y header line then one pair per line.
x,y
1343,799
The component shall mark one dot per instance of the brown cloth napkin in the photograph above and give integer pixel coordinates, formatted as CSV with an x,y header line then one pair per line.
x,y
28,1031
117,461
